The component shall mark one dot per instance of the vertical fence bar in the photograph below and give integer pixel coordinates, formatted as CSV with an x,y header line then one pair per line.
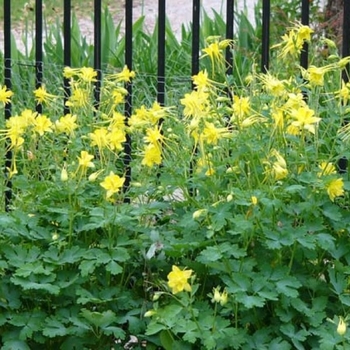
x,y
161,52
97,49
265,50
195,36
346,38
229,34
66,49
128,100
8,84
343,162
38,48
305,16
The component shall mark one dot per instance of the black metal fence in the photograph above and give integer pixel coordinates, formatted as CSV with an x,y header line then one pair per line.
x,y
161,56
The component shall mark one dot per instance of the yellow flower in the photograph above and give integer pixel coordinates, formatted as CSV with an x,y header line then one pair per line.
x,y
87,74
240,107
273,85
277,169
344,93
99,138
112,184
125,75
42,124
177,280
341,329
78,98
254,200
195,103
152,155
335,188
42,96
315,75
326,169
292,42
116,138
85,161
219,297
154,136
5,95
66,124
201,81
303,119
211,134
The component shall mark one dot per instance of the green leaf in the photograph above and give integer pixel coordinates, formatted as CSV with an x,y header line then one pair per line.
x,y
87,267
288,287
209,254
99,319
15,345
114,268
54,328
166,340
154,328
250,301
25,284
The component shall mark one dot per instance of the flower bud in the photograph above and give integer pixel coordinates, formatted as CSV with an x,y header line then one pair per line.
x,y
64,175
198,213
341,329
149,313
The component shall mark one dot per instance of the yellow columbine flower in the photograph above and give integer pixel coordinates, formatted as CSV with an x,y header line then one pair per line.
x,y
278,169
240,107
326,169
112,184
42,124
219,297
196,103
272,84
99,138
78,98
335,188
5,95
85,161
315,75
303,119
116,138
42,96
154,136
344,93
87,74
211,134
177,280
201,81
66,124
152,155
125,75
341,329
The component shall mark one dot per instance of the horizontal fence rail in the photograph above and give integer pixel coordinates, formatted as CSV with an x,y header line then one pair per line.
x,y
161,54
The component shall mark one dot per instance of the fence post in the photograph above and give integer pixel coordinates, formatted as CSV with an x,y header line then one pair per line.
x,y
161,53
229,34
97,50
8,107
38,48
305,15
195,36
67,49
265,50
343,162
128,100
